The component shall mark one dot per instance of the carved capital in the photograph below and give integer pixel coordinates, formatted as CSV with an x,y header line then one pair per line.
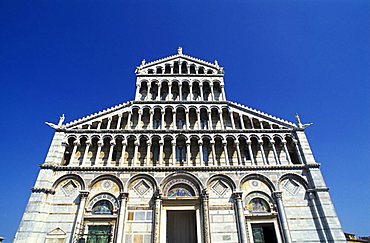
x,y
277,195
123,196
237,195
84,193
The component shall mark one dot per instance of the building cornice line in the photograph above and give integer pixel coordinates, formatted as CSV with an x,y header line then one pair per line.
x,y
178,168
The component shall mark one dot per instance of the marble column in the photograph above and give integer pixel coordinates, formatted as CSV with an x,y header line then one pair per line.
x,y
160,153
205,206
163,113
151,114
111,148
180,91
148,145
201,92
209,120
157,216
86,152
232,119
129,120
97,157
238,198
238,152
198,117
201,160
249,143
262,152
277,161
213,153
109,122
137,143
122,159
223,92
190,96
226,154
277,195
173,153
139,120
187,119
212,93
222,121
188,154
170,95
159,91
241,121
286,152
298,151
78,227
123,197
119,121
99,125
137,96
73,161
174,119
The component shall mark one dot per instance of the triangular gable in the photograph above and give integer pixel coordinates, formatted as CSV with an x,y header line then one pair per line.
x,y
115,110
102,113
262,115
179,57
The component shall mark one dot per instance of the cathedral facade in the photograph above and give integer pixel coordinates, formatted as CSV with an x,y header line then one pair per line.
x,y
179,164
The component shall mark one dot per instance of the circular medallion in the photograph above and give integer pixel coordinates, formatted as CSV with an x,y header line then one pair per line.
x,y
107,185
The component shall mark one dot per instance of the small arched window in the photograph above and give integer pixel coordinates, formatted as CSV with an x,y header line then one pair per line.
x,y
159,70
102,207
201,70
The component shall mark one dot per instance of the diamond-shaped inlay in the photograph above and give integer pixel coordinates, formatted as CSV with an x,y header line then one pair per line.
x,y
291,186
220,188
141,187
69,188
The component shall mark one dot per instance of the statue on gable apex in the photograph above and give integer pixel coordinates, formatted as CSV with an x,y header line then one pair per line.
x,y
179,51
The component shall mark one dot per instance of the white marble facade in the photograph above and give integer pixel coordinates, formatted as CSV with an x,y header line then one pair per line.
x,y
180,146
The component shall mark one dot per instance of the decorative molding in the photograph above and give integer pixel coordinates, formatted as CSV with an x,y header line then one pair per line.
x,y
180,169
42,190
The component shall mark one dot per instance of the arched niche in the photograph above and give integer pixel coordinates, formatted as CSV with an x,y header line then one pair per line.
x,y
257,182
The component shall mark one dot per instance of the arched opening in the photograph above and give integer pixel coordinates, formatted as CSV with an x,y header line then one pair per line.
x,y
192,69
159,70
167,69
176,68
184,68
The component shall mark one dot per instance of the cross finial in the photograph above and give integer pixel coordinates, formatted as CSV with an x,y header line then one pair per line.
x,y
179,50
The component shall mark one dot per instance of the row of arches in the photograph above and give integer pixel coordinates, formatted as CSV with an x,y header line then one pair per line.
x,y
180,150
180,67
163,185
181,117
180,91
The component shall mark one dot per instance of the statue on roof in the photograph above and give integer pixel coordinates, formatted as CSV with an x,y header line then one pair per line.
x,y
179,51
60,123
299,123
143,62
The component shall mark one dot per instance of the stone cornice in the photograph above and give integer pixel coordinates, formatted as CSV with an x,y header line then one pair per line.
x,y
187,75
177,131
42,190
179,169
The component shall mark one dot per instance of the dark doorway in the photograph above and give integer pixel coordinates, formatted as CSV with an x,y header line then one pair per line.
x,y
99,234
181,227
264,233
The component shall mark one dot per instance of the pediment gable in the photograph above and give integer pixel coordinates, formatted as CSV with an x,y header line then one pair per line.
x,y
113,113
186,65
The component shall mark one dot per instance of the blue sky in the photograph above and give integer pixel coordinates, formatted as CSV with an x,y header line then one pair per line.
x,y
281,57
